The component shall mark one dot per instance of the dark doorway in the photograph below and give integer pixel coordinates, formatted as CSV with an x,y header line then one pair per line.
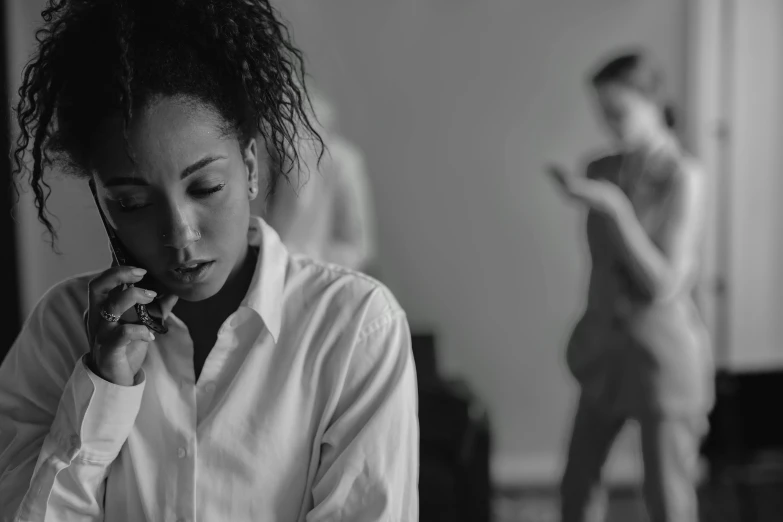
x,y
10,311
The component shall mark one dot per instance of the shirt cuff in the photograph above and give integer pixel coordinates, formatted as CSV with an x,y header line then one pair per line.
x,y
108,413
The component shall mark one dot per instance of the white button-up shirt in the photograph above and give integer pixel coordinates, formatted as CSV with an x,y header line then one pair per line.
x,y
305,410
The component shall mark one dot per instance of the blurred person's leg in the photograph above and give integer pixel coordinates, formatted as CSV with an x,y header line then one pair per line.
x,y
670,451
582,496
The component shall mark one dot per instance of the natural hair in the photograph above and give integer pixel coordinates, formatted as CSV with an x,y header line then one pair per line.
x,y
98,58
636,71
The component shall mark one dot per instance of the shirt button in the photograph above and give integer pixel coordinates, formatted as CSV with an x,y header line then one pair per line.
x,y
181,453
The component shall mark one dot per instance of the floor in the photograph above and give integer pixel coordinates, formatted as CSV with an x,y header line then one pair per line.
x,y
540,505
753,502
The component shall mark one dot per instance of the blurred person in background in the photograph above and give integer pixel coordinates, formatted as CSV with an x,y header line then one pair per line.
x,y
640,350
326,211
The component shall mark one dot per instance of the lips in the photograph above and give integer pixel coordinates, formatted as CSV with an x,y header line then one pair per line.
x,y
189,265
188,268
193,272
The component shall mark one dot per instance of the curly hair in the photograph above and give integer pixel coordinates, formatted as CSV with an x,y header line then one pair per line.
x,y
97,58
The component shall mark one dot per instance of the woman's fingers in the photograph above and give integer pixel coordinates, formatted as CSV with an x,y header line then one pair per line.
x,y
112,292
120,302
108,280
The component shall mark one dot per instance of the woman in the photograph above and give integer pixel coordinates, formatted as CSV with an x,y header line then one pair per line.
x,y
640,350
284,389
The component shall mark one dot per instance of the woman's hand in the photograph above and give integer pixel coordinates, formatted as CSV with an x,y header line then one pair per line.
x,y
600,195
118,349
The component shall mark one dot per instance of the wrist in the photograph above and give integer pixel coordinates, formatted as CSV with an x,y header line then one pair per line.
x,y
109,375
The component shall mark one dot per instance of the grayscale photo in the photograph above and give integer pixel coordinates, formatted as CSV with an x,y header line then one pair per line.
x,y
391,261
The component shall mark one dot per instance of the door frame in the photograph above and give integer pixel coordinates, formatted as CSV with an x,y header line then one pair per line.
x,y
709,79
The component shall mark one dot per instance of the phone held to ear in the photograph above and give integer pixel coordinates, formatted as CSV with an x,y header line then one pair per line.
x,y
122,258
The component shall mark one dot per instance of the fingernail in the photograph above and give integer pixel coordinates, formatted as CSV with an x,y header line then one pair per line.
x,y
152,336
150,293
138,271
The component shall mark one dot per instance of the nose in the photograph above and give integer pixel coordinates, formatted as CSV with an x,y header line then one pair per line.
x,y
179,230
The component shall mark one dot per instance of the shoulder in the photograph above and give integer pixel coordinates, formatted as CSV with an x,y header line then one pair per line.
x,y
355,325
65,299
689,167
684,175
344,149
340,297
347,159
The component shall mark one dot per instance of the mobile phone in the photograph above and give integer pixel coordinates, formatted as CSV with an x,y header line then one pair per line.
x,y
122,257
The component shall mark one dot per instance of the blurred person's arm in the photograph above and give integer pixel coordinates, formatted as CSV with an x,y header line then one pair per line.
x,y
288,212
282,213
61,426
353,241
661,265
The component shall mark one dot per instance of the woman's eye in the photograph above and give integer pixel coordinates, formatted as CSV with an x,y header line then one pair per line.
x,y
129,205
208,191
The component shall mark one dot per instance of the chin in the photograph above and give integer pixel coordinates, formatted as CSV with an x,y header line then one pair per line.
x,y
195,293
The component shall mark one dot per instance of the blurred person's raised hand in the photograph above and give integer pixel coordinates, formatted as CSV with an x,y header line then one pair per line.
x,y
600,195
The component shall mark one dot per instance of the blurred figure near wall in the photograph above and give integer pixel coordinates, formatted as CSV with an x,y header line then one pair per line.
x,y
325,210
640,351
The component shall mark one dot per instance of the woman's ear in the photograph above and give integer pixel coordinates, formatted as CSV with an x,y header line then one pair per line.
x,y
251,160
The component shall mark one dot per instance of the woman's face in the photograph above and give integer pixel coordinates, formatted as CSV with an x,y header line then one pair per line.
x,y
185,199
630,117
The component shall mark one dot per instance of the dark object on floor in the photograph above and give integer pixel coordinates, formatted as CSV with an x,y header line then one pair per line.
x,y
745,447
425,358
454,477
742,423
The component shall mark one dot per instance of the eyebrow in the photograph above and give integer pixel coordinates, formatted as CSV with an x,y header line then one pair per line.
x,y
187,171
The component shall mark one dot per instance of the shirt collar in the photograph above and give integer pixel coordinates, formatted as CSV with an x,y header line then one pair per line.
x,y
265,295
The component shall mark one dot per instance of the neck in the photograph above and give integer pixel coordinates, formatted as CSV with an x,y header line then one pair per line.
x,y
661,142
227,300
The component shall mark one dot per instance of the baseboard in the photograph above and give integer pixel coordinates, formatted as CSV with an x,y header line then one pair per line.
x,y
514,471
544,470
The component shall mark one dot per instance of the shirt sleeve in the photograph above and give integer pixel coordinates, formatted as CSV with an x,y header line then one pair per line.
x,y
61,426
370,451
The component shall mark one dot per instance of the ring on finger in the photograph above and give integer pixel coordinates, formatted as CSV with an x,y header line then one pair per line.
x,y
109,316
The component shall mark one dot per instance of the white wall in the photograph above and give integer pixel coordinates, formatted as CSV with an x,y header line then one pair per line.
x,y
457,106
